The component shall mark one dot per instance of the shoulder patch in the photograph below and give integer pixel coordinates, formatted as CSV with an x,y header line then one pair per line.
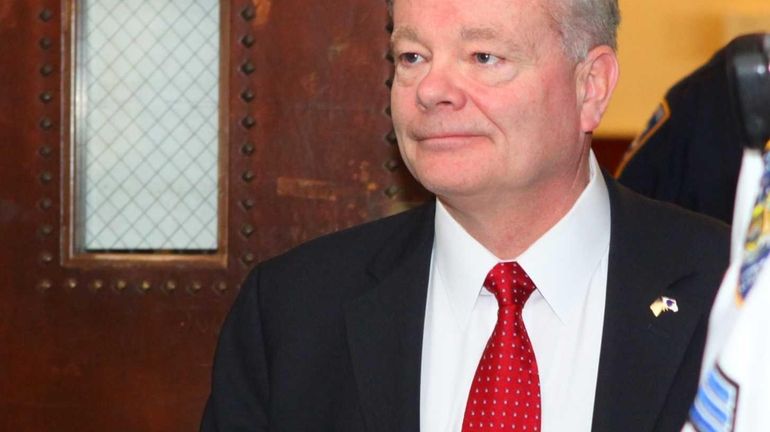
x,y
715,404
658,119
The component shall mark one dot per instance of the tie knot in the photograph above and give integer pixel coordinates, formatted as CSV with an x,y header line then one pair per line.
x,y
509,283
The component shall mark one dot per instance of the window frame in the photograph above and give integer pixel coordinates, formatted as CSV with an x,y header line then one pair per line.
x,y
70,255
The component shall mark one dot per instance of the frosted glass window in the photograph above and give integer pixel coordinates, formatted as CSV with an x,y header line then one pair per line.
x,y
146,122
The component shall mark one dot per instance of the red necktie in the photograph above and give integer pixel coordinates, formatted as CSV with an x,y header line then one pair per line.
x,y
505,394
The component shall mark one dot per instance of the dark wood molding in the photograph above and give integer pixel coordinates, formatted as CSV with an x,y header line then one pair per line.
x,y
610,150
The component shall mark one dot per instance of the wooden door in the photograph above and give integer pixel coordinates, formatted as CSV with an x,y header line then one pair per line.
x,y
123,341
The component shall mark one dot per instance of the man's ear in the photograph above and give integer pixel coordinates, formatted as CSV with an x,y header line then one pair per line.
x,y
596,79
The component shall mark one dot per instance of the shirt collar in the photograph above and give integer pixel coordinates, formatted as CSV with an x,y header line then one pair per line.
x,y
561,262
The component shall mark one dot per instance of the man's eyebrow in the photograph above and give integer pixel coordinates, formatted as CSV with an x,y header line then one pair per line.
x,y
406,32
479,33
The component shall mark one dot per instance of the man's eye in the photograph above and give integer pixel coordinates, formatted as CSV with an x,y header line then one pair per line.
x,y
486,58
410,58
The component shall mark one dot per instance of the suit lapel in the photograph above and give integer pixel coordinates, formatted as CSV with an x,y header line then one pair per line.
x,y
640,353
385,328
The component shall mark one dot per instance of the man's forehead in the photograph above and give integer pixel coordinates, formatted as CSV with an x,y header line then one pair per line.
x,y
473,5
467,19
521,25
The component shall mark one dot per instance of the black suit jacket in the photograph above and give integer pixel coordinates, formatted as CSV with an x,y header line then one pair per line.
x,y
328,337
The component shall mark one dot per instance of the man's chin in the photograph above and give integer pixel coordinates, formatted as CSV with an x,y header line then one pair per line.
x,y
450,188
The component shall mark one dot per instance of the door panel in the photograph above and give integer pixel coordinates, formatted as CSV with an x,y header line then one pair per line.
x,y
125,342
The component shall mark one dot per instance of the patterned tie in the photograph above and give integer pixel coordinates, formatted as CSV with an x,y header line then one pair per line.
x,y
505,394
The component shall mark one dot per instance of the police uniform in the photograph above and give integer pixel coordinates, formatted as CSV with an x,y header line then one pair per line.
x,y
690,152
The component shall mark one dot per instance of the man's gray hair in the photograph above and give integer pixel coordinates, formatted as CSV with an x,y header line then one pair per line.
x,y
583,24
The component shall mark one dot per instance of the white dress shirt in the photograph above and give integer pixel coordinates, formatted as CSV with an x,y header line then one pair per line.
x,y
563,316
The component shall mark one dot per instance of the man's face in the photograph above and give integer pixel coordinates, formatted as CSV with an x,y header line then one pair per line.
x,y
484,99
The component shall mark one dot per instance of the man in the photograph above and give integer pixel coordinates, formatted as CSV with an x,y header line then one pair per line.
x,y
518,300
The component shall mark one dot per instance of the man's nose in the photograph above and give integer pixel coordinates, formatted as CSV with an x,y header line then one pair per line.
x,y
440,88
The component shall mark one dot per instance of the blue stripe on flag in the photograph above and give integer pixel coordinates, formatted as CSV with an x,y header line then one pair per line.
x,y
718,411
699,421
714,405
718,387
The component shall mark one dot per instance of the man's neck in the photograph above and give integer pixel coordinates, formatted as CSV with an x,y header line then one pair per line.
x,y
507,225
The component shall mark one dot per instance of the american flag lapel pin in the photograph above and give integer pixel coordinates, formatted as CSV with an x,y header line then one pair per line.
x,y
663,304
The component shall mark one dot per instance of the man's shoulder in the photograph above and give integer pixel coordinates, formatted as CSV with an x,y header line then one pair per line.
x,y
324,273
667,228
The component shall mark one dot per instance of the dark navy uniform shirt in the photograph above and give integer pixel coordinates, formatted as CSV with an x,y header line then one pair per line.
x,y
690,152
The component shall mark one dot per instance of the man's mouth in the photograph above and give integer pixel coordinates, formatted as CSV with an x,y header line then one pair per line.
x,y
447,140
